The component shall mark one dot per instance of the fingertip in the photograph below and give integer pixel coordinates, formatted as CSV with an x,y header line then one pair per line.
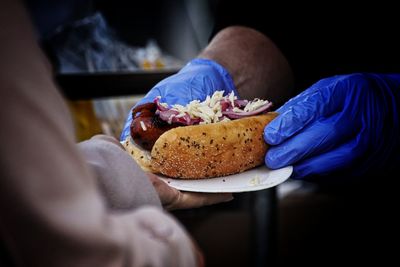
x,y
229,197
272,159
215,198
271,135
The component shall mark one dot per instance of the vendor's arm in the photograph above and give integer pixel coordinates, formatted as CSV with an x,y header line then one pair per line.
x,y
257,66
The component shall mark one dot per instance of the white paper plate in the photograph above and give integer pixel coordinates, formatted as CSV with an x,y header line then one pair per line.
x,y
252,180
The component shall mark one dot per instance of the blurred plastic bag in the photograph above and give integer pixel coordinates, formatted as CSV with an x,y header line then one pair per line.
x,y
90,45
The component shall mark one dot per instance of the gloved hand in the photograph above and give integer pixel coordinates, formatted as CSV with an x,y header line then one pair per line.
x,y
347,123
196,80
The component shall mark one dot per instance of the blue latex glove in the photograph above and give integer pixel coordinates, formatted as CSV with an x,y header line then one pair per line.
x,y
196,80
347,123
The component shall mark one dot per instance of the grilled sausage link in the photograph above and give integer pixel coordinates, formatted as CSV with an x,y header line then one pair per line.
x,y
146,126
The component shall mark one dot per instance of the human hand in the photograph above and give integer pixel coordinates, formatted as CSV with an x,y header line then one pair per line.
x,y
198,79
346,122
173,199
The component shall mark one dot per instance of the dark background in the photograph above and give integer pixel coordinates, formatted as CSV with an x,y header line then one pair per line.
x,y
321,227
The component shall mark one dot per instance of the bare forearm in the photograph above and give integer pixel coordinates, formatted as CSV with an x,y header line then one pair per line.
x,y
257,66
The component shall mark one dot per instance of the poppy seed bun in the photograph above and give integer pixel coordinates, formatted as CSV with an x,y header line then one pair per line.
x,y
207,150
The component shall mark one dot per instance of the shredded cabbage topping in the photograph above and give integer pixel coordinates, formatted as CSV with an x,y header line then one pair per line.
x,y
214,109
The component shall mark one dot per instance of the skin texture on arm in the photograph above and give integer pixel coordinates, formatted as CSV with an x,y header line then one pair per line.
x,y
257,66
52,211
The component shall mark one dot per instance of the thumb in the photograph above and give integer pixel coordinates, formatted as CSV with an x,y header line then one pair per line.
x,y
187,200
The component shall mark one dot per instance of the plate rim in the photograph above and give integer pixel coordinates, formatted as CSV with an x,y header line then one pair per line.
x,y
248,188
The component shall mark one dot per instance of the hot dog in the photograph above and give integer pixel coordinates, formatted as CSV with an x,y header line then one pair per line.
x,y
226,141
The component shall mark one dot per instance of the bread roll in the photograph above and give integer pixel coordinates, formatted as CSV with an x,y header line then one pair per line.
x,y
208,150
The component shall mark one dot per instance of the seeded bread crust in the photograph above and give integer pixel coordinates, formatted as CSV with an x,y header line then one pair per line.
x,y
205,151
141,156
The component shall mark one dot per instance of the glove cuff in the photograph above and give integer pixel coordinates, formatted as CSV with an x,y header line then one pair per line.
x,y
226,77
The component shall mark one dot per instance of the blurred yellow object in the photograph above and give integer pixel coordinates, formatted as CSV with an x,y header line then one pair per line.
x,y
149,65
86,123
146,65
159,64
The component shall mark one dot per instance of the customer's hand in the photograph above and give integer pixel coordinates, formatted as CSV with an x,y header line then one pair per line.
x,y
198,79
173,199
343,123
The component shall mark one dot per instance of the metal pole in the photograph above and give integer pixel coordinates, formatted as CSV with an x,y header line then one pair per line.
x,y
264,215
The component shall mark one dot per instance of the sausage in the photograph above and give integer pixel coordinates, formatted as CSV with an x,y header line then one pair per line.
x,y
146,126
